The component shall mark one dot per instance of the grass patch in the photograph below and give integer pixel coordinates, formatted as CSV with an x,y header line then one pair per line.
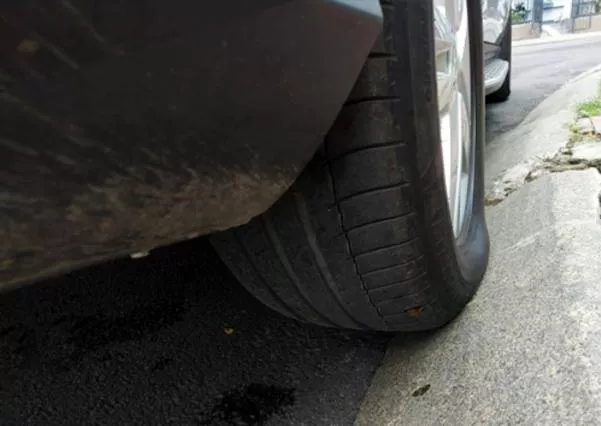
x,y
592,107
589,108
575,135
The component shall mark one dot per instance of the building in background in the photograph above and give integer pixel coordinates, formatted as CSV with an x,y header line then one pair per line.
x,y
552,11
557,16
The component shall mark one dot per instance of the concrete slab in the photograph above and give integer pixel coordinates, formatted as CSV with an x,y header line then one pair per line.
x,y
596,122
587,151
527,349
585,125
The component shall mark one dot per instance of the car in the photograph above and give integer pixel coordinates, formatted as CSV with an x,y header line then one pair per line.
x,y
331,149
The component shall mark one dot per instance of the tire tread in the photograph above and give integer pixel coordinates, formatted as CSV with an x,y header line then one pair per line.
x,y
363,242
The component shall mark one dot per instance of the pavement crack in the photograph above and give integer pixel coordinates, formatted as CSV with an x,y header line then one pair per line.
x,y
582,151
518,176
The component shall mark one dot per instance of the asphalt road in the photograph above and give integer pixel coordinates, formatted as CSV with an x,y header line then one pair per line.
x,y
174,339
538,70
171,339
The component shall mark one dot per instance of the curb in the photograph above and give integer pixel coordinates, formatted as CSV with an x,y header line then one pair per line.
x,y
545,129
557,39
585,74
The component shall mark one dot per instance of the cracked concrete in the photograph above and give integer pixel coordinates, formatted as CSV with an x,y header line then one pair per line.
x,y
581,150
581,156
589,151
543,132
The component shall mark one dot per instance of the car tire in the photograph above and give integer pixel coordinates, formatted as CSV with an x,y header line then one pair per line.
x,y
363,239
503,93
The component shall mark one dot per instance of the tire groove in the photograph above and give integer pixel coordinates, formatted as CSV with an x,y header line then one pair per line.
x,y
388,247
350,251
282,305
388,268
367,148
366,99
406,296
376,189
387,286
386,219
283,258
319,259
383,55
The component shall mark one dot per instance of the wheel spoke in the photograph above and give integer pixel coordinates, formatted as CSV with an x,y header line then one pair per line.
x,y
457,158
453,71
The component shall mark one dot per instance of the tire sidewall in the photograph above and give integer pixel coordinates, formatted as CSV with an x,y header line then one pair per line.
x,y
455,268
472,246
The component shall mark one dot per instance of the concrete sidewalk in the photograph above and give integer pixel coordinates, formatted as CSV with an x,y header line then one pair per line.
x,y
593,35
527,349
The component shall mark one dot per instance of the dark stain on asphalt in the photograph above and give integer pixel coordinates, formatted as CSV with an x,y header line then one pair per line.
x,y
8,330
21,342
88,334
251,405
161,364
145,342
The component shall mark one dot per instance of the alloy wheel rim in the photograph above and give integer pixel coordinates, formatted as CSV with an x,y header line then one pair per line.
x,y
454,88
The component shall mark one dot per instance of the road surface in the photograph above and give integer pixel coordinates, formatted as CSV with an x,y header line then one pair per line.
x,y
538,70
174,339
171,339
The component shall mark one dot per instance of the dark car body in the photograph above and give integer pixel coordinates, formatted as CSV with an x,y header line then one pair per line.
x,y
134,124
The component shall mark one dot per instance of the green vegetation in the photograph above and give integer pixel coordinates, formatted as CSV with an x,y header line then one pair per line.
x,y
575,136
518,13
592,107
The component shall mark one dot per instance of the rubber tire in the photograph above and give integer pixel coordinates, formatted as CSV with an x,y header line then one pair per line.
x,y
503,93
363,239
